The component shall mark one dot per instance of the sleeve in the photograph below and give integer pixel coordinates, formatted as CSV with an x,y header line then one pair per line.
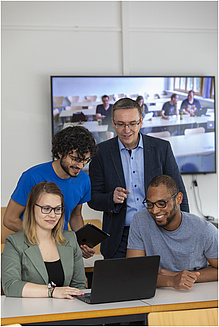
x,y
78,277
11,270
135,241
101,199
211,241
23,188
172,170
86,196
98,109
183,105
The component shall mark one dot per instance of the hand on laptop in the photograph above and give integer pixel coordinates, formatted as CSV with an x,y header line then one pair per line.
x,y
66,292
86,251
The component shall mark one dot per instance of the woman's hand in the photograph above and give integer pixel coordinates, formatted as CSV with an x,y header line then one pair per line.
x,y
66,292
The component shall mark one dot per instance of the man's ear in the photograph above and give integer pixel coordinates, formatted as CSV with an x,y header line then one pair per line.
x,y
60,156
179,198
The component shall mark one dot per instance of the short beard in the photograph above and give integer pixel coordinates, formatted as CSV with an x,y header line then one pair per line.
x,y
171,215
65,169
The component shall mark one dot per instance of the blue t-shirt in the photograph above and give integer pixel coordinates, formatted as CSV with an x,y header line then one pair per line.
x,y
186,248
169,109
76,190
190,107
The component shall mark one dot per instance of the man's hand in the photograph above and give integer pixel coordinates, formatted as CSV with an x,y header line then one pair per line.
x,y
120,194
86,251
180,280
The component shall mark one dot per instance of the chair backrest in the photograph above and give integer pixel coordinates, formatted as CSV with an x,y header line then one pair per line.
x,y
160,134
58,101
78,108
73,98
198,130
199,317
4,230
91,97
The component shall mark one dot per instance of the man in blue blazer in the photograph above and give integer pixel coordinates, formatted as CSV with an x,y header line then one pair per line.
x,y
121,172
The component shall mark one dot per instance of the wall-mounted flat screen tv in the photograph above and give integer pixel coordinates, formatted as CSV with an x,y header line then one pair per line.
x,y
179,109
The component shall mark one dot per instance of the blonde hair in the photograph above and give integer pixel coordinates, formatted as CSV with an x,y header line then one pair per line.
x,y
29,222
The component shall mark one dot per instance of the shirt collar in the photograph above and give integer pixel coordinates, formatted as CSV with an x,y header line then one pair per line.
x,y
140,144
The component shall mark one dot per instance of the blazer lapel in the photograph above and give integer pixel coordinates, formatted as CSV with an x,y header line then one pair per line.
x,y
35,257
65,253
148,161
117,162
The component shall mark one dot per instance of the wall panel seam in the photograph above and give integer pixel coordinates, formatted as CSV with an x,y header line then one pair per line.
x,y
61,28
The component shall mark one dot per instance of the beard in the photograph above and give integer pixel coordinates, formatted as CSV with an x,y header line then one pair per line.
x,y
171,216
66,169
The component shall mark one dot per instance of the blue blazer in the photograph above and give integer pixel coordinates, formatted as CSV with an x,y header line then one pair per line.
x,y
106,173
22,262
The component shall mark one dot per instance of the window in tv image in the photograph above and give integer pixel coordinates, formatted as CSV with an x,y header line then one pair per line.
x,y
179,109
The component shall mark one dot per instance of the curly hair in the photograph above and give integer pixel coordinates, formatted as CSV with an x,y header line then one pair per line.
x,y
73,138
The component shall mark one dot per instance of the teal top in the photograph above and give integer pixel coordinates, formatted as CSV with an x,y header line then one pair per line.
x,y
22,262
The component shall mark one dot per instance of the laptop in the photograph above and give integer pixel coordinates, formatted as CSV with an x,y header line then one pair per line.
x,y
123,279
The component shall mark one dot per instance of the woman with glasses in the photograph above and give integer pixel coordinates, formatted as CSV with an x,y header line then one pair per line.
x,y
42,260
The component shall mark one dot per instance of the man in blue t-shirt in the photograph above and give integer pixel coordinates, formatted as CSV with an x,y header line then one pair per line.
x,y
184,242
73,147
190,105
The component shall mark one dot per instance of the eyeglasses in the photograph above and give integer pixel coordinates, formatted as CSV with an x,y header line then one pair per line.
x,y
159,204
79,160
131,125
47,210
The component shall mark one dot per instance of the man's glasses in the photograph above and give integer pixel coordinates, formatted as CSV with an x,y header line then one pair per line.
x,y
79,160
159,204
47,210
131,125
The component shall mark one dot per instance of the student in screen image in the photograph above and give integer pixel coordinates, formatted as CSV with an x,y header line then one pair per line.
x,y
185,242
170,107
190,105
42,260
121,171
143,106
103,115
72,147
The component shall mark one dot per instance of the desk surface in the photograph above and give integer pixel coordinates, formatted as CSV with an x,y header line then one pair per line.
x,y
70,112
92,126
30,310
201,295
27,310
193,144
175,120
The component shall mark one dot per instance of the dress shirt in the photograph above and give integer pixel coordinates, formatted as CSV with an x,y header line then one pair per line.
x,y
133,168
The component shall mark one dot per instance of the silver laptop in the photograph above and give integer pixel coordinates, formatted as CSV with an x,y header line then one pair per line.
x,y
123,279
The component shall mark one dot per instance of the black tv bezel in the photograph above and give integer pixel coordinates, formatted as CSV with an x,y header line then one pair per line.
x,y
147,76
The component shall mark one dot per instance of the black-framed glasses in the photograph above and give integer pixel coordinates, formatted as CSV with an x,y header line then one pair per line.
x,y
47,209
132,125
159,204
79,160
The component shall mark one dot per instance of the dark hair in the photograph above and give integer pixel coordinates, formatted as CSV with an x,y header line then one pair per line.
x,y
166,180
73,138
140,97
105,96
126,103
29,223
191,91
173,96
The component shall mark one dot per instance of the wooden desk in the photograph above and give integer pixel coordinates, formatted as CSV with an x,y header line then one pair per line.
x,y
89,263
42,310
69,113
201,295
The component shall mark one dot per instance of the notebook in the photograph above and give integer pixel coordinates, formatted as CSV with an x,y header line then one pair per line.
x,y
123,279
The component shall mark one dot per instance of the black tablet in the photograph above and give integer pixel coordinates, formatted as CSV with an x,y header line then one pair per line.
x,y
90,235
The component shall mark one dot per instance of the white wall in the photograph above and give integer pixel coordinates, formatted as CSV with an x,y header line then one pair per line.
x,y
42,38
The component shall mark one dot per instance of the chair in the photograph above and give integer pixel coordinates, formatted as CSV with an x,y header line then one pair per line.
x,y
160,134
91,97
4,230
199,317
58,101
198,130
73,98
133,96
111,97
